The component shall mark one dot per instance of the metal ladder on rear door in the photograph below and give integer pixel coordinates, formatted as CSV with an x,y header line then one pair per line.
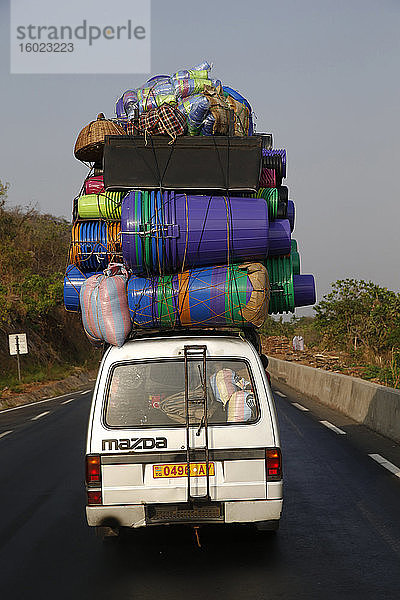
x,y
199,353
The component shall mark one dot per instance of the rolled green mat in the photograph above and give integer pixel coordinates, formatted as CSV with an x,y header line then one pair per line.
x,y
271,195
280,272
106,205
146,212
295,257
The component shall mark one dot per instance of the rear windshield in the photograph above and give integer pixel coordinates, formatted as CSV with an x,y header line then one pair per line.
x,y
153,394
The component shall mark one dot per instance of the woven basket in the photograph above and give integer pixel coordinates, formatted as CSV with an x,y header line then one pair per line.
x,y
90,142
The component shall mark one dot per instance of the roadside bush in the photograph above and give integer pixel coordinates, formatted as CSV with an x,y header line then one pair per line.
x,y
360,314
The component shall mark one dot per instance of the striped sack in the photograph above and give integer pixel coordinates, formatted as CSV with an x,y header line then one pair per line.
x,y
241,407
104,306
223,385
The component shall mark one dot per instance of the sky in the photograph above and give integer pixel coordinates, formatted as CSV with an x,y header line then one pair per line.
x,y
321,75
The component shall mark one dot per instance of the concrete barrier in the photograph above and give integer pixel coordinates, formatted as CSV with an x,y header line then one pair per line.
x,y
376,406
45,390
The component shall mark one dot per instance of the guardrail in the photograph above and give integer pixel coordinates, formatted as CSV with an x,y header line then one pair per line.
x,y
376,406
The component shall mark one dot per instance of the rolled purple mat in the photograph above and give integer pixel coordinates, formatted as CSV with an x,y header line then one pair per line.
x,y
291,213
304,290
176,230
279,237
216,225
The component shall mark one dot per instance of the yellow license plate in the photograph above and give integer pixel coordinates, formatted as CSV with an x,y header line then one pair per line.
x,y
181,470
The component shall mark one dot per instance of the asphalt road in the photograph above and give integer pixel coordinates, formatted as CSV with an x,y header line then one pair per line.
x,y
339,536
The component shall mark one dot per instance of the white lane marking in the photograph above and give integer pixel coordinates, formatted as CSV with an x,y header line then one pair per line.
x,y
300,406
33,403
5,433
68,401
281,395
333,427
85,391
385,463
41,415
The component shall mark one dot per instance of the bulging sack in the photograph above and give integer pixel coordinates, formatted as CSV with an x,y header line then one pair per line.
x,y
164,120
153,96
194,85
241,117
233,94
202,71
119,108
224,383
219,108
104,306
208,125
130,103
195,108
241,407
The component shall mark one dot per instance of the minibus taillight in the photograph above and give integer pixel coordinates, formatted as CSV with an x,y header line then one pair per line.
x,y
274,464
94,497
93,469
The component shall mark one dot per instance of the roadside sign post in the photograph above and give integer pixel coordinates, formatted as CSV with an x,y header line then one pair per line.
x,y
18,345
19,366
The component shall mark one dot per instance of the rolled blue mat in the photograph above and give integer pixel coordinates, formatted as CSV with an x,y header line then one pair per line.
x,y
220,295
304,290
73,279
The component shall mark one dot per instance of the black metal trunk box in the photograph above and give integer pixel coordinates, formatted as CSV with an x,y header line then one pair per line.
x,y
189,163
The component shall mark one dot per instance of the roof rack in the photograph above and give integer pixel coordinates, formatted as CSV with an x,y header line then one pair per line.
x,y
248,333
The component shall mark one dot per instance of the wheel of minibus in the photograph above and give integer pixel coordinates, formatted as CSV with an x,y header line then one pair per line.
x,y
267,527
108,535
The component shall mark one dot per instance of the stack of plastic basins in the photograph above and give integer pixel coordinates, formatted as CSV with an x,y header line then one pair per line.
x,y
289,289
96,237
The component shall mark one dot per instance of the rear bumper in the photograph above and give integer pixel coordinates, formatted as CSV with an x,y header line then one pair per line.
x,y
232,512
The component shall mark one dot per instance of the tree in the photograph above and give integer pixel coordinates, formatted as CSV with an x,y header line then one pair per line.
x,y
33,249
3,194
359,313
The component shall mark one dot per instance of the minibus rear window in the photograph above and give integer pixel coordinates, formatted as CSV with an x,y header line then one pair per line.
x,y
153,393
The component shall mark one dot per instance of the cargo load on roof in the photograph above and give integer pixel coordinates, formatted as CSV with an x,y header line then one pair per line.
x,y
182,220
